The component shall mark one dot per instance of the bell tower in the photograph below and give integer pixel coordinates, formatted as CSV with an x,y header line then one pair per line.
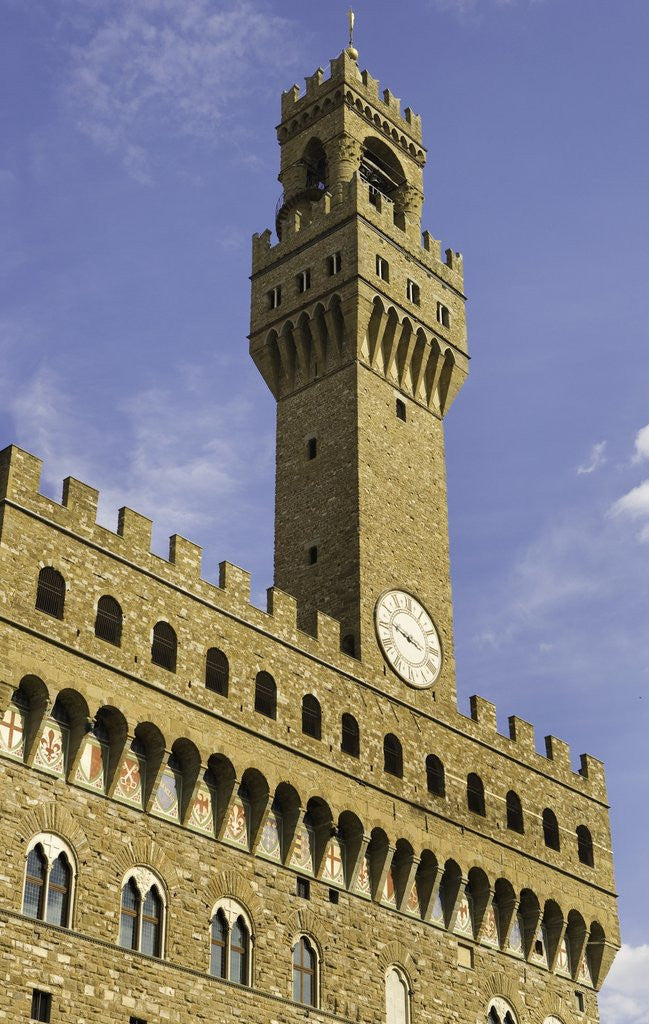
x,y
358,328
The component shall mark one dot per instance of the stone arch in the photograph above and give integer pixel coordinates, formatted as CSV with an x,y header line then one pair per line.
x,y
52,818
496,986
305,922
234,884
145,852
396,953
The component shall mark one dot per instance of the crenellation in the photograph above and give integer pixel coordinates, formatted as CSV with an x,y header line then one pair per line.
x,y
186,556
484,713
20,474
136,531
522,733
81,500
371,84
314,81
236,584
559,753
283,608
392,102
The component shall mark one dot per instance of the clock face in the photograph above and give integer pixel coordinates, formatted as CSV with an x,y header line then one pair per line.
x,y
408,638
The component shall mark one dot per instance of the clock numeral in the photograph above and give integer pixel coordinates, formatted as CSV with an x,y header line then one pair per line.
x,y
432,667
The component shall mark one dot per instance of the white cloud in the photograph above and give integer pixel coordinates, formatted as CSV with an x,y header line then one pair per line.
x,y
634,504
157,67
642,445
596,459
625,996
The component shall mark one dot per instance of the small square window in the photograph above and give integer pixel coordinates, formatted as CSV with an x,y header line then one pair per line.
x,y
334,896
275,297
313,554
579,1002
464,956
443,315
312,448
401,410
303,888
334,264
382,268
412,292
136,1020
41,1005
304,280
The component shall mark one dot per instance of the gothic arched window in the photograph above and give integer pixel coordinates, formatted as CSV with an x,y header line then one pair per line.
x,y
49,879
585,846
311,716
392,756
230,939
551,830
397,1000
217,671
475,794
304,972
164,646
266,695
50,592
435,776
514,812
141,919
108,622
350,737
500,1012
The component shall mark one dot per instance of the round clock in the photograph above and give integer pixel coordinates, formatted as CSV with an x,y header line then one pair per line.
x,y
408,638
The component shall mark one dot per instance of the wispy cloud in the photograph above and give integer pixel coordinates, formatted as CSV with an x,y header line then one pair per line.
x,y
641,445
625,996
142,70
596,459
634,504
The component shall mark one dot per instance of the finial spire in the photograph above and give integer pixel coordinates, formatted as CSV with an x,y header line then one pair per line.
x,y
351,49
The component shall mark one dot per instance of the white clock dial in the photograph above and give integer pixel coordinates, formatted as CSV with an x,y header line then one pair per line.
x,y
408,638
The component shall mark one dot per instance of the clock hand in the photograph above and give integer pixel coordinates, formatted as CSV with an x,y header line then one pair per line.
x,y
407,636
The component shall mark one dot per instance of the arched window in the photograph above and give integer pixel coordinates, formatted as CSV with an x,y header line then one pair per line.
x,y
500,1012
311,716
585,846
396,997
266,695
392,756
108,622
49,878
50,592
141,919
551,830
304,972
514,812
435,776
217,671
348,645
475,794
164,646
230,939
350,737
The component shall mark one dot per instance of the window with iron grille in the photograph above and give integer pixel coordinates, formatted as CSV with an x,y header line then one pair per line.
x,y
50,592
311,716
164,646
350,738
108,621
475,794
435,775
265,695
41,1005
392,756
551,830
585,846
217,671
514,812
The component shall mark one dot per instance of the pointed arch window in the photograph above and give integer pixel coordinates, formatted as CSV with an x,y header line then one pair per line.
x,y
514,812
142,913
551,830
49,880
217,671
108,621
164,646
266,695
230,942
304,972
585,846
475,794
392,756
311,716
350,738
435,780
50,592
397,999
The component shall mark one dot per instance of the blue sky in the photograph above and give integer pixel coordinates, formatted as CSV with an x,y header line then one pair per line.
x,y
139,156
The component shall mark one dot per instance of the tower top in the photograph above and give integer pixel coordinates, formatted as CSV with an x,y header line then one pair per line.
x,y
351,50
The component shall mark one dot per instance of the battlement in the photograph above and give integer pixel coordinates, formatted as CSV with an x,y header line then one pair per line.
x,y
355,198
344,72
131,543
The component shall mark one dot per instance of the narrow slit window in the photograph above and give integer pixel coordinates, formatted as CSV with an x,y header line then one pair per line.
x,y
401,409
313,554
382,268
312,448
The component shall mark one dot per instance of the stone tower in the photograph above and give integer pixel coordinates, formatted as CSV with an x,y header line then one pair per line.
x,y
211,811
358,328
